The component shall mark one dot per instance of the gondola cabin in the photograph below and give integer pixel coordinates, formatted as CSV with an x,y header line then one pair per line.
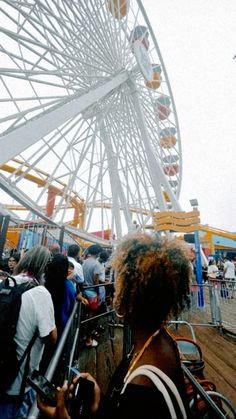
x,y
156,77
118,8
140,33
171,169
167,137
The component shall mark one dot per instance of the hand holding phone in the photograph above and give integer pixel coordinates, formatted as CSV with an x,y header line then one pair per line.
x,y
43,387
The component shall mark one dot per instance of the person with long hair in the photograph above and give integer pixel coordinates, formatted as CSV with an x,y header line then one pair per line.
x,y
63,295
55,282
152,276
36,318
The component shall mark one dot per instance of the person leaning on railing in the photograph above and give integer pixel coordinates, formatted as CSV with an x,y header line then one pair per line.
x,y
152,276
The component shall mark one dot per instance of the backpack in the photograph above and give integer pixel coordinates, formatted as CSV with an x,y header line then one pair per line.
x,y
10,303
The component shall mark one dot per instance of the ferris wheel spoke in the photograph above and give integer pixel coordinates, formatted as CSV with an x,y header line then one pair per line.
x,y
92,201
156,173
16,59
22,114
114,41
95,190
40,154
132,176
40,126
84,41
118,196
97,24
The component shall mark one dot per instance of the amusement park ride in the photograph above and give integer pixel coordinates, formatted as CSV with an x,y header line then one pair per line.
x,y
89,131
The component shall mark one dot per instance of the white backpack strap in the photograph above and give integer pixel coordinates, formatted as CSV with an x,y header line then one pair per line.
x,y
157,382
170,385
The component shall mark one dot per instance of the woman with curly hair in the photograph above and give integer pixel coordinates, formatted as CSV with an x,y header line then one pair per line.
x,y
152,276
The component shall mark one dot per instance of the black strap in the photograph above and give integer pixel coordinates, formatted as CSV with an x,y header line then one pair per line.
x,y
27,365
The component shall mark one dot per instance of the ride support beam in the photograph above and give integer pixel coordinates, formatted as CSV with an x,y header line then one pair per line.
x,y
50,205
156,172
36,128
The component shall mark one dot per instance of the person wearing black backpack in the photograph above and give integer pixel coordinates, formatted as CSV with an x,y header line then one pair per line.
x,y
26,323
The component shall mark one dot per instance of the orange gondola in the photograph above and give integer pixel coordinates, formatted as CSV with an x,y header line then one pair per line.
x,y
156,77
167,137
118,8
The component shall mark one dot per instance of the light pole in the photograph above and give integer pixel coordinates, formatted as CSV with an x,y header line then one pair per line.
x,y
194,204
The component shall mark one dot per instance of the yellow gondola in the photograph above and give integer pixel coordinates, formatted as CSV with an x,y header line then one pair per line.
x,y
118,8
156,77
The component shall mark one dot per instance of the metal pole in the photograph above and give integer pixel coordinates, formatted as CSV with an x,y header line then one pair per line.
x,y
44,235
199,268
61,238
3,235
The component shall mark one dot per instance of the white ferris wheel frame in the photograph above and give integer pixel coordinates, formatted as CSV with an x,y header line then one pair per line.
x,y
33,129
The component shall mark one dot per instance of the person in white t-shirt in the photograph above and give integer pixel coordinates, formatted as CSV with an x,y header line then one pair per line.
x,y
212,272
36,315
72,255
229,274
229,269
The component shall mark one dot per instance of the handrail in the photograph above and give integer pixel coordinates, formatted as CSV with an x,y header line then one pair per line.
x,y
204,395
179,322
34,411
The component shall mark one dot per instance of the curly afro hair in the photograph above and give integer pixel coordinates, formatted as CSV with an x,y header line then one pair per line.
x,y
152,276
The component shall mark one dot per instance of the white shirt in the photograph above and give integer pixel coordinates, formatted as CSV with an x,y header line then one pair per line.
x,y
36,312
212,271
78,270
230,270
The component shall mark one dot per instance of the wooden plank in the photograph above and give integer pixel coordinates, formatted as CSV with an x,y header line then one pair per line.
x,y
219,354
102,361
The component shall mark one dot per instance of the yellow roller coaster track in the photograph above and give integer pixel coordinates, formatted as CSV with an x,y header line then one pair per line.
x,y
42,179
55,187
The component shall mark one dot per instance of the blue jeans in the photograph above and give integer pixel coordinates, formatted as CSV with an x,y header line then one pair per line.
x,y
12,410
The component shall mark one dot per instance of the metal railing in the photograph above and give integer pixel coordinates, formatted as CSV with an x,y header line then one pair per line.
x,y
213,410
67,350
219,308
72,327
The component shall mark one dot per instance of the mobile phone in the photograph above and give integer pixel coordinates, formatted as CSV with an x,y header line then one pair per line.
x,y
83,398
43,387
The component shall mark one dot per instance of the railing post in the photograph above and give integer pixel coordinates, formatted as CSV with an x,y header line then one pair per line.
x,y
4,226
61,237
199,268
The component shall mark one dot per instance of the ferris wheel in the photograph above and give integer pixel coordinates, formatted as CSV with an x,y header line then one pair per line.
x,y
89,134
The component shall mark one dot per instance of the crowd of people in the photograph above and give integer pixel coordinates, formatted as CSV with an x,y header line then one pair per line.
x,y
45,308
152,278
222,274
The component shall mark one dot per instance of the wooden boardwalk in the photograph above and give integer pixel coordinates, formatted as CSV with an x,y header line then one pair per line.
x,y
219,354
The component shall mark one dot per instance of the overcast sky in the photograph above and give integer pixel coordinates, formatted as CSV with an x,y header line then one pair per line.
x,y
197,39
